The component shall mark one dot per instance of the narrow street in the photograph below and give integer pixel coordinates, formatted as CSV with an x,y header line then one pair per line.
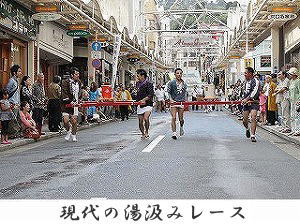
x,y
213,160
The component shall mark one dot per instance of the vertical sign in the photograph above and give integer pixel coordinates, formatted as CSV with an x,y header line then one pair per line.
x,y
116,54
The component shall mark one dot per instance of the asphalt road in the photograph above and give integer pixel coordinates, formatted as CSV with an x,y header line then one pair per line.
x,y
213,160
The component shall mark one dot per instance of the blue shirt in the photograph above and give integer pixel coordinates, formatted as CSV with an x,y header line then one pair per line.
x,y
13,87
177,92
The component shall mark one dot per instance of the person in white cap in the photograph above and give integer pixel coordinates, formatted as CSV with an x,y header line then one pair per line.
x,y
294,89
283,101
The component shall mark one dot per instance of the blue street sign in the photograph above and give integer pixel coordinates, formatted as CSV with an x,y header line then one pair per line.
x,y
96,46
96,63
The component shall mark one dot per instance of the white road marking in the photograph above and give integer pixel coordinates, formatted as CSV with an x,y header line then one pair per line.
x,y
152,145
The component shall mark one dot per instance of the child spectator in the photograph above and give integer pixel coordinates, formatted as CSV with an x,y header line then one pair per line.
x,y
5,116
263,107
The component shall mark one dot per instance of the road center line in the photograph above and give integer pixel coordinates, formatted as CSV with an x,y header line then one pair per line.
x,y
152,145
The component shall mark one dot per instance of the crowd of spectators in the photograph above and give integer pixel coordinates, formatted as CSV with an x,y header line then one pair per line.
x,y
279,100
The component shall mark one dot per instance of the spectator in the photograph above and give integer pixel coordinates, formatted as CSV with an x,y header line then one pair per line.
x,y
194,97
272,107
93,96
84,96
14,98
160,99
124,95
26,93
39,102
54,109
263,107
13,85
220,95
294,90
6,116
29,126
283,102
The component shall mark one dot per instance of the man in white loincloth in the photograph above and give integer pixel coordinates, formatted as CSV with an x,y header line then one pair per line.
x,y
145,93
177,90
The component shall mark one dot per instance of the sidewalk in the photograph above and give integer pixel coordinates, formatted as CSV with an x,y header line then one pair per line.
x,y
274,129
25,141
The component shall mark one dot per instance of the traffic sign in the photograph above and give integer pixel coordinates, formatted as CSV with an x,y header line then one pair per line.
x,y
96,54
96,46
96,63
104,44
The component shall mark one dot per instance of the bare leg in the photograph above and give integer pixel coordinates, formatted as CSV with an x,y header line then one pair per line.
x,y
173,122
66,122
245,119
147,122
180,116
141,124
73,121
253,115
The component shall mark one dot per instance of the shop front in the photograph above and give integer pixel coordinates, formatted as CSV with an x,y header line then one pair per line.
x,y
17,36
55,49
291,32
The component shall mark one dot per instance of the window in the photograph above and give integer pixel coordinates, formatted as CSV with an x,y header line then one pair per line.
x,y
192,64
265,61
193,54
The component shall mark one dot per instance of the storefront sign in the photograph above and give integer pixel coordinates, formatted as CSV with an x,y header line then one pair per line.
x,y
77,27
282,16
283,9
46,8
193,43
17,18
117,46
46,16
78,33
234,57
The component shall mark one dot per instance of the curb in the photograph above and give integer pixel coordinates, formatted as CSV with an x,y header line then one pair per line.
x,y
23,141
281,135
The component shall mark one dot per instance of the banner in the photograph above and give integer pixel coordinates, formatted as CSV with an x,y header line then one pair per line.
x,y
116,54
100,211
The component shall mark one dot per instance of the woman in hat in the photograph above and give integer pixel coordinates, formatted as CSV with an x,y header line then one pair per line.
x,y
294,89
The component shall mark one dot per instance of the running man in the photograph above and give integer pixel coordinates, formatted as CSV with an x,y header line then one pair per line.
x,y
177,90
145,94
250,102
70,88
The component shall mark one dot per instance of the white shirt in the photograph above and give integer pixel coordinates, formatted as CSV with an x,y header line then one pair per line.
x,y
266,89
124,96
75,90
160,94
281,85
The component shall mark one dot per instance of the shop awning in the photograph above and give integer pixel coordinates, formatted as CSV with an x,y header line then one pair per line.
x,y
257,27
